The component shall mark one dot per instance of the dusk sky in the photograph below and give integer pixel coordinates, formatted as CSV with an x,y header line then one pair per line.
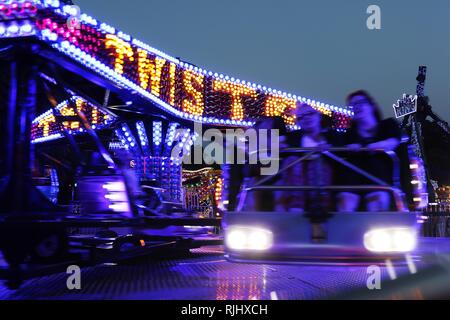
x,y
321,49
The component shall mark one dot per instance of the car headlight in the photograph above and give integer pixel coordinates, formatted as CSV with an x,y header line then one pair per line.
x,y
248,238
391,240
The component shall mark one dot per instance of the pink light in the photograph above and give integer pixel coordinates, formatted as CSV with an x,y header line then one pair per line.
x,y
33,9
7,11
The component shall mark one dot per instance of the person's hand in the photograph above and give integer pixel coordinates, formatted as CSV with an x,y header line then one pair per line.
x,y
325,146
354,146
283,143
374,146
380,145
386,145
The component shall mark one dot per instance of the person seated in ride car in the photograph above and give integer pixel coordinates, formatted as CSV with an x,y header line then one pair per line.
x,y
314,171
264,200
368,130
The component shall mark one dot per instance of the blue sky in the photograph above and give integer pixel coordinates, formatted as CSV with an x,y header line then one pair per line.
x,y
316,48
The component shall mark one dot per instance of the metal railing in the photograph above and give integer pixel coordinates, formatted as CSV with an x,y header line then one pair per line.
x,y
379,185
436,220
193,202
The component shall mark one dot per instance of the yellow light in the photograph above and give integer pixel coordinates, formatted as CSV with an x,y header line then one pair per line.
x,y
193,86
150,70
68,111
94,115
218,193
321,108
74,125
237,92
281,106
80,105
172,74
45,124
123,49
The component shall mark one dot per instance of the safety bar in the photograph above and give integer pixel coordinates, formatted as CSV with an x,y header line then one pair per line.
x,y
328,152
398,194
152,188
380,184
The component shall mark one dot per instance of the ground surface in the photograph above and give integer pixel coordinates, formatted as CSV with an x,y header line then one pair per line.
x,y
207,275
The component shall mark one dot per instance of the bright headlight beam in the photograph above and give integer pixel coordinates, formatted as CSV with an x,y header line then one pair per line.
x,y
236,239
248,238
404,240
390,240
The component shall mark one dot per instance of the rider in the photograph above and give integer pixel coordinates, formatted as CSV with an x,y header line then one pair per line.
x,y
314,133
368,130
276,128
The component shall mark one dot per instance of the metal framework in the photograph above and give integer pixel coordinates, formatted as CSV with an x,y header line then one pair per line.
x,y
413,125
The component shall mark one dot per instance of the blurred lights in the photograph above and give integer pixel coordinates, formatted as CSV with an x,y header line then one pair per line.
x,y
219,189
170,136
391,240
116,197
182,89
150,70
142,135
122,50
237,92
280,106
123,207
114,187
45,128
248,238
127,138
418,180
157,133
52,3
116,193
193,85
13,29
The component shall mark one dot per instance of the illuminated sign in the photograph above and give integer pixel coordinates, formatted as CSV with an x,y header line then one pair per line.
x,y
406,105
46,127
179,88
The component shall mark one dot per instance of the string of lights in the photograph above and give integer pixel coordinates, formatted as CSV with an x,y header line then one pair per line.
x,y
46,127
178,87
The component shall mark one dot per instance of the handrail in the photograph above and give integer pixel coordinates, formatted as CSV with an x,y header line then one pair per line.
x,y
380,184
325,187
327,151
